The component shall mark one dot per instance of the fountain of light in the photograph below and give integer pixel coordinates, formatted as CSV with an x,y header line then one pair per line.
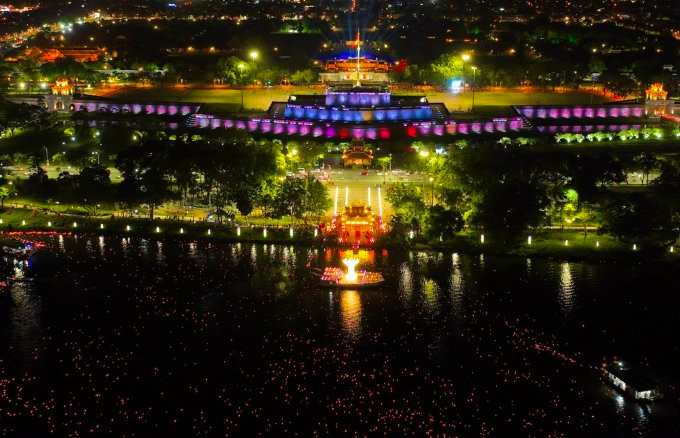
x,y
336,277
351,274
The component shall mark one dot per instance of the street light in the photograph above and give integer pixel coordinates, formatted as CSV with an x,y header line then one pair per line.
x,y
465,57
240,69
253,56
474,77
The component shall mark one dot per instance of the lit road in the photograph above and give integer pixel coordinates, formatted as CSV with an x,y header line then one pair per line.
x,y
358,185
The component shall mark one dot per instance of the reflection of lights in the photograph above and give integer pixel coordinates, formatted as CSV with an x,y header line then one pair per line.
x,y
566,287
619,402
350,307
430,290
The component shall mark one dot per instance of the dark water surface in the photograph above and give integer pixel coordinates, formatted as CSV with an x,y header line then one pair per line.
x,y
127,336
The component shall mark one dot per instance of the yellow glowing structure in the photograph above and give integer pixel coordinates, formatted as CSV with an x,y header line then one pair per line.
x,y
351,264
337,277
656,92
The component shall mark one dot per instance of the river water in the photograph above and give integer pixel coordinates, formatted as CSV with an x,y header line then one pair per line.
x,y
129,336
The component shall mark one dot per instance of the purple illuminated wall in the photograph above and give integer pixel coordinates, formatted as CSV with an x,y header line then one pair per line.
x,y
136,108
328,130
578,112
357,99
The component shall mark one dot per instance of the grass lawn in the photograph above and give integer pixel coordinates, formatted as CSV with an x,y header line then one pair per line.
x,y
487,102
35,142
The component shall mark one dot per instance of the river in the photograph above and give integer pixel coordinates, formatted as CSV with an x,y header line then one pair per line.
x,y
130,336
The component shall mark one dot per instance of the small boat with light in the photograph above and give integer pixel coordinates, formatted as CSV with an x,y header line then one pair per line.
x,y
352,279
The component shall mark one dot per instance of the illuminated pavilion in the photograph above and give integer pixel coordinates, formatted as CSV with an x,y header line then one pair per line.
x,y
357,225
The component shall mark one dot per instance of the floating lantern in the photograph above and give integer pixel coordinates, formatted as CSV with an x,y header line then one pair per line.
x,y
529,240
75,224
127,228
158,229
481,238
181,231
264,232
566,242
597,243
49,224
23,222
101,226
634,247
208,231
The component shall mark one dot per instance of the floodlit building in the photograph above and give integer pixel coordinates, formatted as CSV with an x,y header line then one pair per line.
x,y
357,155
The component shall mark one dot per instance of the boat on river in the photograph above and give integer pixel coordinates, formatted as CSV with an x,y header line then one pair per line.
x,y
632,383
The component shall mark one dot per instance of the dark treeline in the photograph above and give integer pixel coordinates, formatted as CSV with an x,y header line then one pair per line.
x,y
228,174
509,187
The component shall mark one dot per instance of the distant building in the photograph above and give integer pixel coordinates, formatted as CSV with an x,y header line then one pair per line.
x,y
345,71
78,54
656,92
657,102
62,88
357,155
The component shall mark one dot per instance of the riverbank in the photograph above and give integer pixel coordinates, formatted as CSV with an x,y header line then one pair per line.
x,y
556,244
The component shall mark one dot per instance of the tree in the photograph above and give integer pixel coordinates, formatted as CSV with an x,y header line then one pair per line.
x,y
230,71
407,201
316,201
442,223
4,194
145,179
507,185
640,218
399,229
596,65
290,198
447,67
94,186
646,163
303,77
385,163
589,173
